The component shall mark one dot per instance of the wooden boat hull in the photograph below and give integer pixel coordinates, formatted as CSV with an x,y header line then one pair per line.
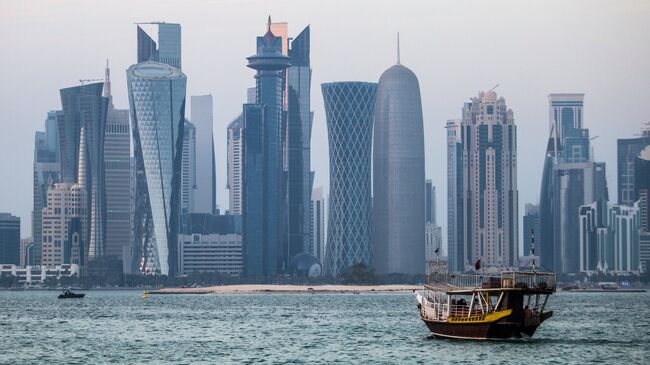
x,y
502,329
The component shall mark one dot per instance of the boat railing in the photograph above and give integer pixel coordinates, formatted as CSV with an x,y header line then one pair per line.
x,y
462,281
506,280
528,280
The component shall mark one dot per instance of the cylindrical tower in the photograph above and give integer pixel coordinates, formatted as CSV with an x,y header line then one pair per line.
x,y
349,109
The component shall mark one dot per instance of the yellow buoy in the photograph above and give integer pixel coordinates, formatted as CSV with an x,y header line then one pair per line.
x,y
145,295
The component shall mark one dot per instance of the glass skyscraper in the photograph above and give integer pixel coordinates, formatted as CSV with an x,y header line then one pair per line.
x,y
157,105
455,250
628,151
349,109
205,189
270,64
168,48
398,174
9,239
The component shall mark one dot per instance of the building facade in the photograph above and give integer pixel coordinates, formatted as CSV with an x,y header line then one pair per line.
x,y
211,243
162,44
267,216
642,197
628,150
398,174
489,199
26,252
235,146
317,215
205,193
349,110
64,223
157,106
455,249
531,229
9,239
47,171
188,169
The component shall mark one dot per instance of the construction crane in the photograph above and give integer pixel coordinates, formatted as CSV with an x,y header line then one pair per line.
x,y
84,81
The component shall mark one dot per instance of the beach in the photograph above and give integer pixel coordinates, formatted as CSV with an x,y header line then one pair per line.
x,y
258,288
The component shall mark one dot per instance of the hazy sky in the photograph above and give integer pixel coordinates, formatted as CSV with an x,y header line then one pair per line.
x,y
456,48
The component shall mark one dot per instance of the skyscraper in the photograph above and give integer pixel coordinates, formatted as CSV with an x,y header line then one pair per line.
x,y
9,239
642,196
432,232
628,151
398,174
84,117
455,248
298,142
570,180
157,106
205,192
64,221
270,64
188,168
166,50
235,164
117,166
349,110
47,171
489,174
430,202
317,247
531,226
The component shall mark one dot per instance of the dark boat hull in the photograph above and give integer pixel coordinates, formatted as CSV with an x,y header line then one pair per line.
x,y
71,296
501,329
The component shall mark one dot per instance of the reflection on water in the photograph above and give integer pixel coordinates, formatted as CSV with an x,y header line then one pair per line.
x,y
120,327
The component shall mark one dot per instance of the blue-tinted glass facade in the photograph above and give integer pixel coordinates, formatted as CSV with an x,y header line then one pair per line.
x,y
157,105
349,109
9,239
628,151
168,48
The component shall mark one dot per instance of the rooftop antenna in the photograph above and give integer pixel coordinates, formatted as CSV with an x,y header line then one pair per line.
x,y
398,61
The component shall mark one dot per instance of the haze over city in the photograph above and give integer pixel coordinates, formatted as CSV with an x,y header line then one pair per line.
x,y
456,48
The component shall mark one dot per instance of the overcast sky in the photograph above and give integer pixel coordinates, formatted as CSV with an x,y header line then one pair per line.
x,y
456,48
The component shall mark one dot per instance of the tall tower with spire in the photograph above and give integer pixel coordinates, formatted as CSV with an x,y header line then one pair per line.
x,y
398,174
263,218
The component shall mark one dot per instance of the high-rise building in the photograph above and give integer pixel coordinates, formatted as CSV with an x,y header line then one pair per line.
x,y
455,248
398,174
235,164
609,238
188,169
628,151
64,224
117,175
47,171
167,48
432,232
317,247
531,229
83,120
570,180
9,239
489,173
26,252
157,106
349,110
205,193
430,202
266,216
297,145
642,197
211,243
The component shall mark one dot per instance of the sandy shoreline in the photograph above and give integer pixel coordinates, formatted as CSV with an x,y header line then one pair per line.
x,y
255,288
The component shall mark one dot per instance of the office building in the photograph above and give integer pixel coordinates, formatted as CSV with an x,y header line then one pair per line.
x,y
83,120
117,175
47,171
37,275
609,238
157,106
188,168
161,44
455,249
26,252
205,192
9,239
317,215
64,224
211,243
349,110
235,151
531,229
430,202
642,198
432,232
265,216
398,174
628,151
570,179
489,173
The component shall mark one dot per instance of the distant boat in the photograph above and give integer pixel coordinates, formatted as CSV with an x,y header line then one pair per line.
x,y
480,307
67,294
608,285
145,295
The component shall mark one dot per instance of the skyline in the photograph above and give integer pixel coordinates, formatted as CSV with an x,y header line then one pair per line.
x,y
445,82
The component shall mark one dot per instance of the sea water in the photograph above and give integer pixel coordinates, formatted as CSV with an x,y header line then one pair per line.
x,y
120,327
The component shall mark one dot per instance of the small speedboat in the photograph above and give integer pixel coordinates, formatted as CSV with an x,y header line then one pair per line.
x,y
67,294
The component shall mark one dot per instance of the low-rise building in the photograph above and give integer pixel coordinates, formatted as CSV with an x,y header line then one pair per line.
x,y
36,275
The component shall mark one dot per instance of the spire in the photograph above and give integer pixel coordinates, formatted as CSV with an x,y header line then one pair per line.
x,y
107,85
268,25
398,49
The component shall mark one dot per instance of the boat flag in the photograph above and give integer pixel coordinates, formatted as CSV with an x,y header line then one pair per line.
x,y
477,264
